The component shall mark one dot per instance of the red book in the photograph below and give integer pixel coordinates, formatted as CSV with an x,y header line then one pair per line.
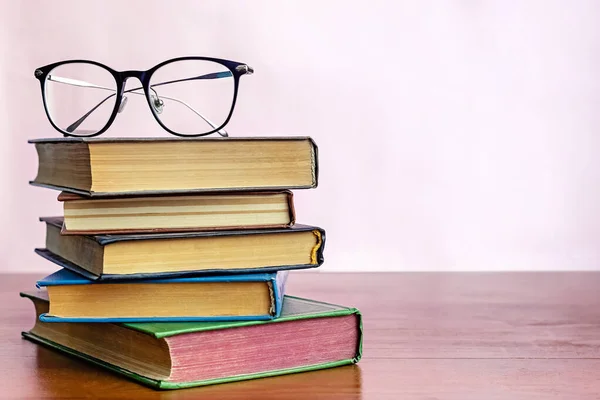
x,y
309,335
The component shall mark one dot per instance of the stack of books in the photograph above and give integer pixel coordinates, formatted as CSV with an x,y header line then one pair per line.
x,y
174,255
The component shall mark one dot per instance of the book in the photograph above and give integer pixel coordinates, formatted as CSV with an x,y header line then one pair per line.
x,y
309,335
108,167
176,213
210,298
155,255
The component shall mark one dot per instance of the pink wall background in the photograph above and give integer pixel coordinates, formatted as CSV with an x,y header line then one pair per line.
x,y
458,135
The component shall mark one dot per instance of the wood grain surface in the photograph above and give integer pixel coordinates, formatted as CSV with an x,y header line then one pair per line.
x,y
427,336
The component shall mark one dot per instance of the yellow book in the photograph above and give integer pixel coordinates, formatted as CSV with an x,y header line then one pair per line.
x,y
209,298
108,167
171,254
177,213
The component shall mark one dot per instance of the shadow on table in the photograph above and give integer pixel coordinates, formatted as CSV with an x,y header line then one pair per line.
x,y
336,383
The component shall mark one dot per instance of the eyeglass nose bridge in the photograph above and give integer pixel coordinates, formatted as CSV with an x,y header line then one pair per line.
x,y
125,75
141,75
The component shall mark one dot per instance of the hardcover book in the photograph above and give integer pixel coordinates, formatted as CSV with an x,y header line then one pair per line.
x,y
177,213
154,255
309,335
210,298
109,167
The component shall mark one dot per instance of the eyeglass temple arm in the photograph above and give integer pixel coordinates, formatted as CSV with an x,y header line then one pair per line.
x,y
76,124
76,82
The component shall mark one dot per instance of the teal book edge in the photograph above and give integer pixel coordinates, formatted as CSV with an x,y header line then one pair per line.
x,y
171,329
277,280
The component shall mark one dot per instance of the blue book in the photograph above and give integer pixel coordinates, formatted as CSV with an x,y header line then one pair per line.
x,y
74,298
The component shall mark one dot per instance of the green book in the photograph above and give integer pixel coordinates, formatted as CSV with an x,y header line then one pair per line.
x,y
309,335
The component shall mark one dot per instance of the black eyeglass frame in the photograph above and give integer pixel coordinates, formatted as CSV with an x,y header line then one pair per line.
x,y
237,69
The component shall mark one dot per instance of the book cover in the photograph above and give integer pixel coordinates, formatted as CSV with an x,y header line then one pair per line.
x,y
294,309
276,280
124,176
179,206
316,258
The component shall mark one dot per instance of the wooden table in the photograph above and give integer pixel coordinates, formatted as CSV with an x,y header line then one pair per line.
x,y
427,336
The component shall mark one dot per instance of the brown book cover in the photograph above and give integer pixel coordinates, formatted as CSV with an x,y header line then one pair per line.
x,y
66,197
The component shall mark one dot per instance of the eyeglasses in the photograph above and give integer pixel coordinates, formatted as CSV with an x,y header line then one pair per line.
x,y
188,96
